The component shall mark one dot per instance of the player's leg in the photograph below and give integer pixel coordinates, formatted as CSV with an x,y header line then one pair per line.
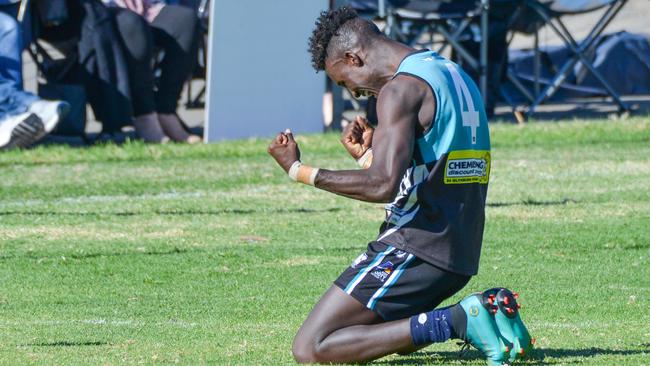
x,y
367,314
379,306
341,329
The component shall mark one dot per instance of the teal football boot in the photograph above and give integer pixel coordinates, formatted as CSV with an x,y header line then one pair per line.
x,y
509,322
482,331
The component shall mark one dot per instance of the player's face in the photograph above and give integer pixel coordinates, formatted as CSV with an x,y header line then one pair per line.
x,y
357,79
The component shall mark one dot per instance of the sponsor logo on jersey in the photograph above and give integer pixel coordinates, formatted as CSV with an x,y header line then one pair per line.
x,y
468,166
383,271
359,259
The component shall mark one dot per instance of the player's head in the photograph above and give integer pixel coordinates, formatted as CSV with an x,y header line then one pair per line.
x,y
340,45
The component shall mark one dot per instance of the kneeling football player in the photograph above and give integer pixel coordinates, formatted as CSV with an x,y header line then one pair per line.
x,y
429,160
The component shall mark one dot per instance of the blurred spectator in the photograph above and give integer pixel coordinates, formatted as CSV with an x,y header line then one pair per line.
x,y
143,25
24,117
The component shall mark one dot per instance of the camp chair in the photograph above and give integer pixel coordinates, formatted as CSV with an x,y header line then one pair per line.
x,y
550,13
417,22
58,76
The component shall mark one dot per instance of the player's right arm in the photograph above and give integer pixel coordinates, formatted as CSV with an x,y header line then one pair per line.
x,y
397,108
397,111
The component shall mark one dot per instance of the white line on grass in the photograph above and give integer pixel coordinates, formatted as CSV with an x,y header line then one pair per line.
x,y
582,325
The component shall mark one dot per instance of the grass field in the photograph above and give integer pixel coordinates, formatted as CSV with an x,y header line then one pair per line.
x,y
209,254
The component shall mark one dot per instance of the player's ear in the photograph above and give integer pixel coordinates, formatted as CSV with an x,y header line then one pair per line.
x,y
353,59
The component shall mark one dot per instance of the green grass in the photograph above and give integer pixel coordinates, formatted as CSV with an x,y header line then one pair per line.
x,y
209,254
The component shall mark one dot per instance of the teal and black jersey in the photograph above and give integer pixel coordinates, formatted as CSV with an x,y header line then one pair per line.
x,y
439,212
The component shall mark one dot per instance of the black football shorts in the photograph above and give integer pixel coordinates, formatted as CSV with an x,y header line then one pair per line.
x,y
396,284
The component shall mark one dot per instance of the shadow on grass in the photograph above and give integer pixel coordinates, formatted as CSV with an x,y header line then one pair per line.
x,y
532,203
543,356
581,108
63,344
119,254
234,211
188,212
173,251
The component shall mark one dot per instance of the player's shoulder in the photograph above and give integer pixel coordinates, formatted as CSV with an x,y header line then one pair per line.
x,y
403,89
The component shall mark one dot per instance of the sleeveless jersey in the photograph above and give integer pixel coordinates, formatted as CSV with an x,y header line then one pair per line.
x,y
439,212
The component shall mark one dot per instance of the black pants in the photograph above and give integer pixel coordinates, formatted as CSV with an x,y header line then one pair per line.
x,y
175,31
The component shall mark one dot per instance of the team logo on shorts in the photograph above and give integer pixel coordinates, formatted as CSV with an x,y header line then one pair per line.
x,y
359,259
473,310
383,271
400,254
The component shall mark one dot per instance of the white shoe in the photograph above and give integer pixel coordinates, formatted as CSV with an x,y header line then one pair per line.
x,y
20,131
50,112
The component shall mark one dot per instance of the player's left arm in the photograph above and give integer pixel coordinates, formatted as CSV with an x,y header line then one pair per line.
x,y
398,106
357,140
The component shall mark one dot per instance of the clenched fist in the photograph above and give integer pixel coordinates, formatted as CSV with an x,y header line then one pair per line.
x,y
357,137
284,150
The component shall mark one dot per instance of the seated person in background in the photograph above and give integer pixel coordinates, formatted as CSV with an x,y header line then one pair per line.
x,y
143,24
24,117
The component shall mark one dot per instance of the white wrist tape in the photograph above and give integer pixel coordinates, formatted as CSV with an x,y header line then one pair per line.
x,y
303,173
366,159
293,171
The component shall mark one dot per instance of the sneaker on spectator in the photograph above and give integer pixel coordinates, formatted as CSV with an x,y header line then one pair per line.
x,y
20,130
50,112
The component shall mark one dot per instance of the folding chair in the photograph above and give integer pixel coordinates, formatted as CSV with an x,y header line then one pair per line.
x,y
550,13
58,74
453,21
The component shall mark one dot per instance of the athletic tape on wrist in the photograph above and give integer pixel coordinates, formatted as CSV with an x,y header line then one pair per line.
x,y
293,171
303,173
365,160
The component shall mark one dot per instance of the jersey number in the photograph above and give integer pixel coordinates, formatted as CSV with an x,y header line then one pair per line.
x,y
471,117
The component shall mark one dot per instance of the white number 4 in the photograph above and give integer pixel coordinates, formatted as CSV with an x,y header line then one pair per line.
x,y
471,117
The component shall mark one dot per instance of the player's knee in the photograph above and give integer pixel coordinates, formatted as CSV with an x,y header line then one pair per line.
x,y
304,352
305,348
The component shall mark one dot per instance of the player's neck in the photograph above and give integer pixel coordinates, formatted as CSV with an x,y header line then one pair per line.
x,y
391,54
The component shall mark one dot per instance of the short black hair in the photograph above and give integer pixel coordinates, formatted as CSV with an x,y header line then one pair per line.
x,y
330,25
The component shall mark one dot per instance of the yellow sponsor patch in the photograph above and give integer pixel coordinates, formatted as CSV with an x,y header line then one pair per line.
x,y
468,166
